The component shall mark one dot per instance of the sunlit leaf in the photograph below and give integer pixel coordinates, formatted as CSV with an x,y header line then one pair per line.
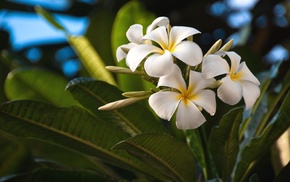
x,y
131,13
37,84
261,145
90,59
224,143
49,17
171,157
92,94
72,128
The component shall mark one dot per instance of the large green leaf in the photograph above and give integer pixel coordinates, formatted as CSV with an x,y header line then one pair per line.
x,y
260,145
224,143
72,128
171,157
37,84
90,59
49,175
92,94
131,13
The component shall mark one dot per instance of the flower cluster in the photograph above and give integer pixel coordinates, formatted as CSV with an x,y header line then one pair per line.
x,y
186,78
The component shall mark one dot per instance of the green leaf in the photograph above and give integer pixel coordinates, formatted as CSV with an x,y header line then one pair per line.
x,y
224,143
46,15
90,59
167,155
261,145
48,175
197,143
37,84
134,119
72,128
14,155
131,13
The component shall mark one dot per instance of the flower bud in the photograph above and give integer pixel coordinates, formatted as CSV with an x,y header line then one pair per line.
x,y
117,69
121,103
214,48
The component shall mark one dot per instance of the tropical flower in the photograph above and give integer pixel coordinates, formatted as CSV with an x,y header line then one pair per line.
x,y
170,45
135,35
187,100
238,81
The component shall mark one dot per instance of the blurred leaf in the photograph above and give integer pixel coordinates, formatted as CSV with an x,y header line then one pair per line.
x,y
99,33
14,155
258,146
90,59
167,155
72,128
37,84
48,175
284,174
224,143
46,15
131,13
135,118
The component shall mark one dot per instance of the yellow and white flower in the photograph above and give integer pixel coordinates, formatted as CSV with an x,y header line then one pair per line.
x,y
135,34
188,100
238,81
170,44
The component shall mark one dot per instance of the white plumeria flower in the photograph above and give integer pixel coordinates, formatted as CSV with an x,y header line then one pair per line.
x,y
171,44
238,82
135,35
187,100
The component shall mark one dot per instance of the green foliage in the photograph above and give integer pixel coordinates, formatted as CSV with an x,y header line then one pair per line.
x,y
37,84
224,143
162,152
92,94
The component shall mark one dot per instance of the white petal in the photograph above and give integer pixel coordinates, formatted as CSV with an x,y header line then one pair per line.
x,y
135,33
160,21
188,116
246,75
214,65
158,65
188,52
197,81
158,35
250,93
235,61
206,99
138,53
178,33
230,92
173,80
164,104
120,53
